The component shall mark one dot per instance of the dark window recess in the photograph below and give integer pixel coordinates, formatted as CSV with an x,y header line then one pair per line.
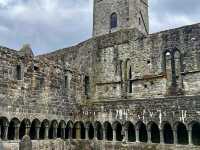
x,y
130,80
39,83
113,20
18,72
87,85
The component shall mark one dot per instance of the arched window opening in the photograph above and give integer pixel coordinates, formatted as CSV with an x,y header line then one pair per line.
x,y
34,130
196,134
118,130
113,20
168,134
131,132
43,129
53,130
87,86
61,130
23,127
69,130
182,134
168,67
99,130
108,131
178,70
155,133
79,131
3,127
142,132
90,132
130,89
12,129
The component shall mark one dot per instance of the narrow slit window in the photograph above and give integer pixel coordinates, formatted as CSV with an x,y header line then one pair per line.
x,y
18,72
113,20
87,85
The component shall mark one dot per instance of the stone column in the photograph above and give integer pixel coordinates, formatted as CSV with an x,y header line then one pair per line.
x,y
70,133
37,130
190,137
114,135
46,132
104,134
0,132
63,132
149,136
5,136
16,134
54,132
161,137
175,137
27,130
95,133
125,139
137,135
86,133
78,131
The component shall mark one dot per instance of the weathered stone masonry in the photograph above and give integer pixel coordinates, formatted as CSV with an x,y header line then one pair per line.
x,y
124,89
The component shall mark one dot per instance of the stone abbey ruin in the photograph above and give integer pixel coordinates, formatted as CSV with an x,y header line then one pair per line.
x,y
123,89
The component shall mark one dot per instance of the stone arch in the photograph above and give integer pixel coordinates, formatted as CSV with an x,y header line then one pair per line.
x,y
130,131
108,131
168,133
69,129
98,130
182,133
117,127
195,129
113,20
53,129
90,130
78,130
4,123
35,129
44,129
13,129
24,128
155,132
141,127
61,129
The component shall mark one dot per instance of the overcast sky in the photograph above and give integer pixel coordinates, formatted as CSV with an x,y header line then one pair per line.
x,y
52,24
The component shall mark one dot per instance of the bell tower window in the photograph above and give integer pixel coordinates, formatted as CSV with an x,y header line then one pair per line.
x,y
113,20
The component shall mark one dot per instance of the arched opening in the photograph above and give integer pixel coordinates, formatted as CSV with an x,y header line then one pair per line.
x,y
34,130
90,131
44,129
53,130
99,130
118,130
13,126
142,132
69,130
108,131
25,124
78,131
196,133
182,134
155,133
131,132
113,20
4,127
61,130
168,134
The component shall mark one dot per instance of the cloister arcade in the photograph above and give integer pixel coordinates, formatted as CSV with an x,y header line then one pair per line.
x,y
166,133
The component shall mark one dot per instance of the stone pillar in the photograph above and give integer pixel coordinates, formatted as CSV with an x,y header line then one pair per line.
x,y
70,133
37,130
137,135
16,134
5,136
114,135
54,132
125,139
78,131
0,132
95,133
175,137
104,134
63,132
161,137
27,130
190,137
86,133
149,136
46,132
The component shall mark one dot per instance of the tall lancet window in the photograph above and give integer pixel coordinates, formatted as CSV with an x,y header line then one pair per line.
x,y
113,20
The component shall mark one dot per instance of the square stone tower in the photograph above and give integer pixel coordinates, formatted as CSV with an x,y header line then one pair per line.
x,y
112,15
